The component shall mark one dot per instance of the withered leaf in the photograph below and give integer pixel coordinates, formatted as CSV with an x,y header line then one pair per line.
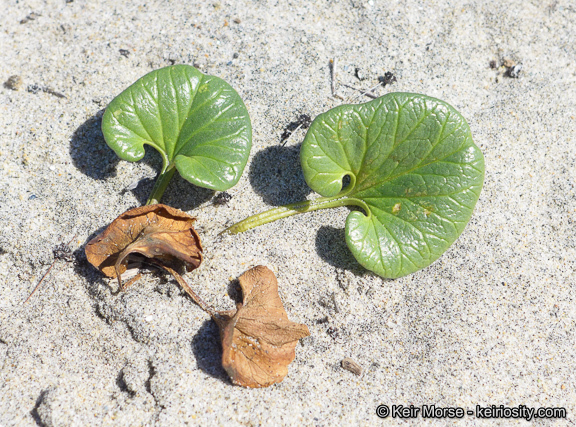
x,y
258,340
155,231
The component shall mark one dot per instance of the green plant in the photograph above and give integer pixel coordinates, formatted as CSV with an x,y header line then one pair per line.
x,y
414,172
198,123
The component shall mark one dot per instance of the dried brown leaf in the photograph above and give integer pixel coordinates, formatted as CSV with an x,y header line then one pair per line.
x,y
156,231
258,340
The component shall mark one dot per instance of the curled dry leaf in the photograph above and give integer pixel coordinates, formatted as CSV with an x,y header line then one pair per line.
x,y
258,340
155,231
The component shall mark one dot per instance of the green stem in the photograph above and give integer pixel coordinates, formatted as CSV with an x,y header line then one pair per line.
x,y
161,184
293,209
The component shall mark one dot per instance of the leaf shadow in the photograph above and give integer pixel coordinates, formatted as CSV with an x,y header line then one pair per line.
x,y
235,291
83,268
208,351
275,174
89,152
182,194
331,247
91,155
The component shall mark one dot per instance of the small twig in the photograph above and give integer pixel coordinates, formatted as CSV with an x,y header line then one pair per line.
x,y
302,122
34,88
332,65
290,136
41,280
333,76
368,93
53,92
46,274
130,282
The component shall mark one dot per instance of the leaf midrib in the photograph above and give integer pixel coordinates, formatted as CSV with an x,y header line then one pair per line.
x,y
181,146
356,192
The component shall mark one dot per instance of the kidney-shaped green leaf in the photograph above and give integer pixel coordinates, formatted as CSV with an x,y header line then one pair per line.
x,y
413,168
197,122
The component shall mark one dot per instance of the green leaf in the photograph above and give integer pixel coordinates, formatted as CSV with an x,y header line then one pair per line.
x,y
197,122
413,168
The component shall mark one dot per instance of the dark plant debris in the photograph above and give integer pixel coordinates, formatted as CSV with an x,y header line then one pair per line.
x,y
333,332
507,68
30,17
359,74
514,71
13,82
35,88
221,198
124,52
512,68
387,78
63,252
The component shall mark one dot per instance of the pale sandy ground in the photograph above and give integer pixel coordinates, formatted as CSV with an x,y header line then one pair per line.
x,y
491,322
